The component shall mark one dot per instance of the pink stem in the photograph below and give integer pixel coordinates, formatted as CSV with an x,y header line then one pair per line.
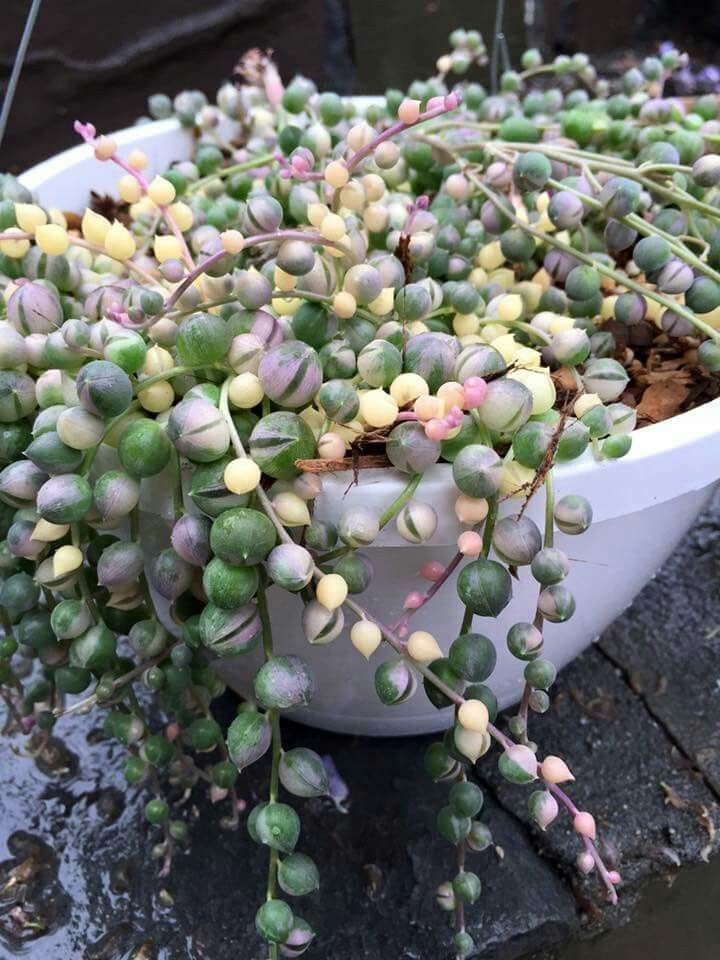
x,y
602,870
505,742
589,845
89,138
497,734
391,131
177,233
431,591
78,242
189,279
562,797
571,808
309,236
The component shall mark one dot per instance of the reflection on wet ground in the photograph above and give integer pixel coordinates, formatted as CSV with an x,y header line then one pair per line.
x,y
674,919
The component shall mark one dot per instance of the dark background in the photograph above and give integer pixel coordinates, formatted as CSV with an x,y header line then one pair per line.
x,y
98,60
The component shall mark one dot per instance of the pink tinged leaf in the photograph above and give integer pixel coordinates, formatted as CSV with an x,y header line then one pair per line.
x,y
432,571
86,130
274,88
584,824
543,808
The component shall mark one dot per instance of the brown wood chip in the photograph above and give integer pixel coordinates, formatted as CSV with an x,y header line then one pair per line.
x,y
347,463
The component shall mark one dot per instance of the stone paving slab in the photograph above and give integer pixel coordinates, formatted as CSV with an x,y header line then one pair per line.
x,y
670,648
621,758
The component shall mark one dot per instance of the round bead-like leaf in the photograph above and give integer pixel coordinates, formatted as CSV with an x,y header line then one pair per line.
x,y
303,773
473,656
298,875
248,738
242,536
284,682
394,682
278,440
485,586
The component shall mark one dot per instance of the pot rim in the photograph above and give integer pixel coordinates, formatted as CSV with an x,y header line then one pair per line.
x,y
666,460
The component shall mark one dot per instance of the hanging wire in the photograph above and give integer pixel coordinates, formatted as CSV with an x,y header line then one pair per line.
x,y
18,65
499,47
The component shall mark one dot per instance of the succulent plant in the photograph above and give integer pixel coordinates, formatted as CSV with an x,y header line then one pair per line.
x,y
479,297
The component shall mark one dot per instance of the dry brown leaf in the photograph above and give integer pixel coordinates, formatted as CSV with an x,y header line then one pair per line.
x,y
564,379
662,400
657,376
673,798
109,207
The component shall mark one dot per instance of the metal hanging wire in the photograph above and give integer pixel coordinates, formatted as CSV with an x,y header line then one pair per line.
x,y
18,65
499,47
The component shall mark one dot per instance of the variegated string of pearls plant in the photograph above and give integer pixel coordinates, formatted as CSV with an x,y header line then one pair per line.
x,y
422,277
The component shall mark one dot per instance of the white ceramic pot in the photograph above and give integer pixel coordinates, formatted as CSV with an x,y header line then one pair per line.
x,y
643,505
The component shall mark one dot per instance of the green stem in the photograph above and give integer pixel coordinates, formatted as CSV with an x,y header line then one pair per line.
x,y
160,377
178,500
251,164
664,168
49,598
399,502
122,681
536,71
135,535
483,432
538,335
274,718
466,620
134,706
335,554
549,508
620,279
302,294
385,517
92,453
168,375
489,527
205,305
82,578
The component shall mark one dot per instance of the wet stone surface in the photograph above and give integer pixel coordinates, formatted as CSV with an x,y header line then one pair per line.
x,y
637,718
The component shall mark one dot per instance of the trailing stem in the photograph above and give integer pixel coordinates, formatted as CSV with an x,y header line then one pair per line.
x,y
407,493
538,620
389,634
274,718
619,278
